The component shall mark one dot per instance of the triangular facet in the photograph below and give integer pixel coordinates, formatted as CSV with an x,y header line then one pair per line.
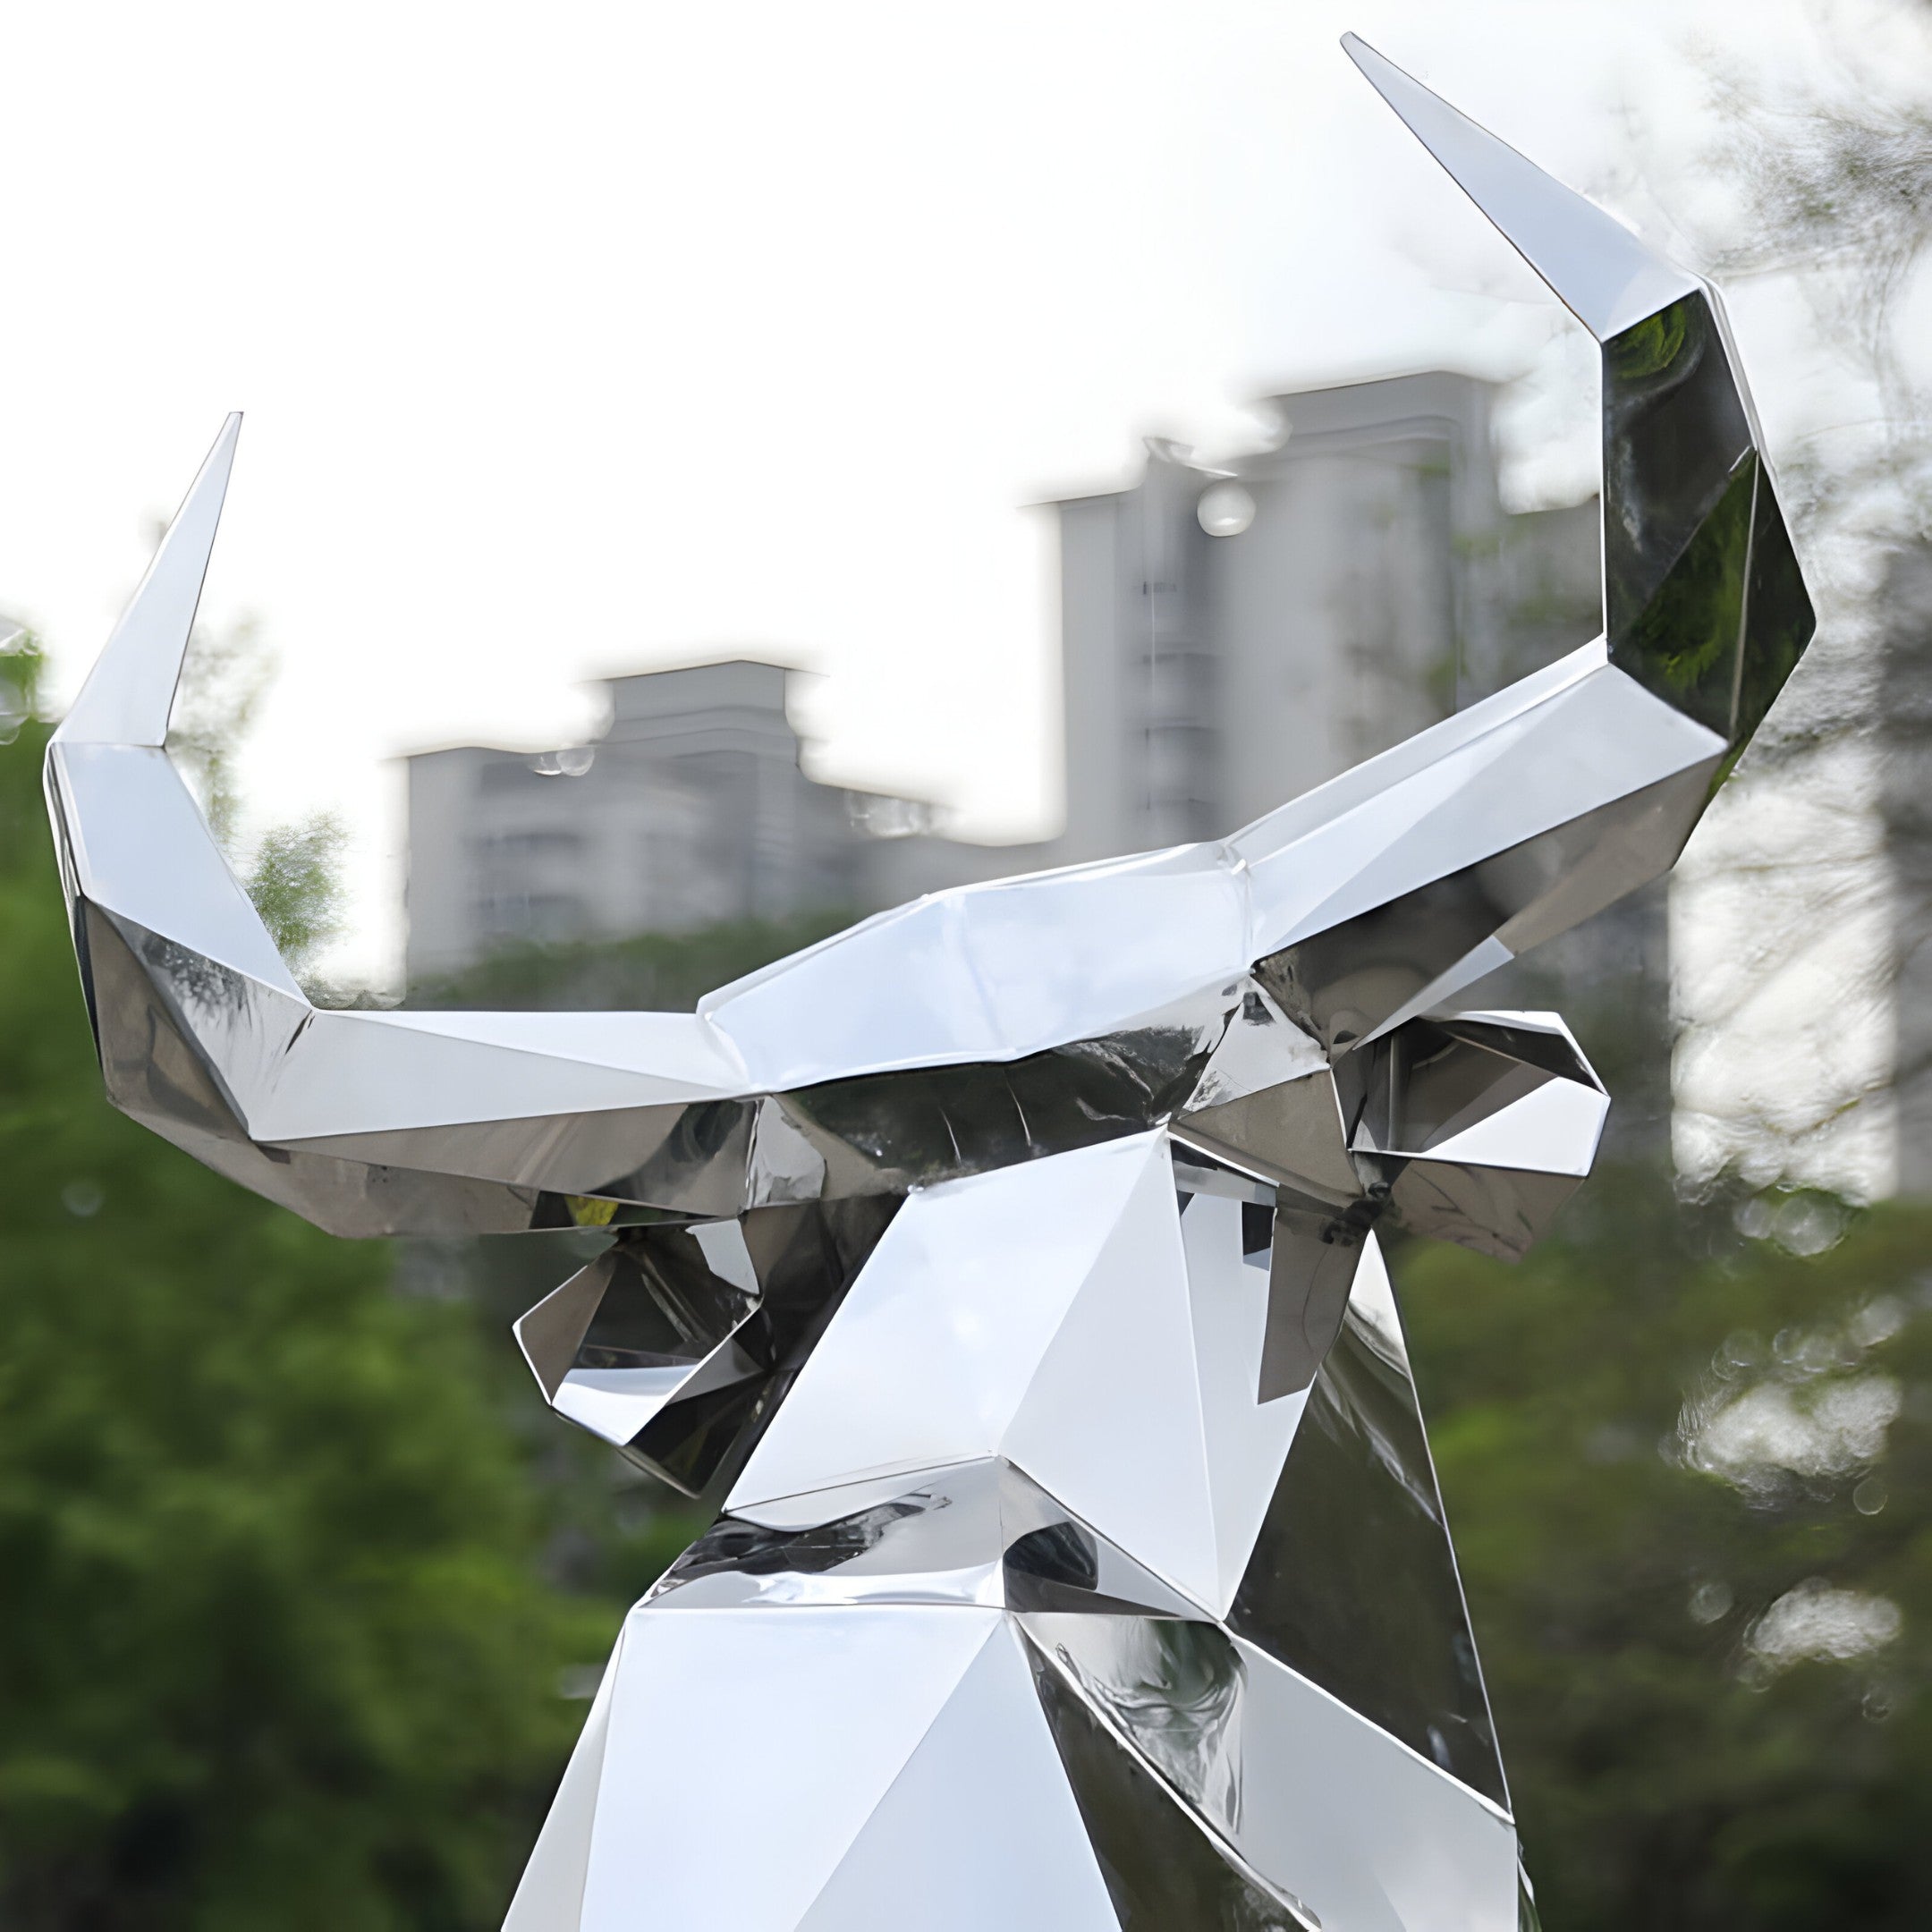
x,y
1293,1132
1311,1272
980,1829
937,1343
975,1532
1246,1437
1594,265
1315,1806
1163,1868
1053,1562
131,689
1496,1211
1356,1825
1352,1581
690,1833
1111,1422
1262,1048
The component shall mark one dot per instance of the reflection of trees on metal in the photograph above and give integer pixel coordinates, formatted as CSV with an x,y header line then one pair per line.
x,y
1007,1264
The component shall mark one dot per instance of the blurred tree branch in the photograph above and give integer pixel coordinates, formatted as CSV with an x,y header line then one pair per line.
x,y
1789,913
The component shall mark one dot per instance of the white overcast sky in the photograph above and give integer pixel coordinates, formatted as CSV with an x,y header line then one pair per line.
x,y
583,338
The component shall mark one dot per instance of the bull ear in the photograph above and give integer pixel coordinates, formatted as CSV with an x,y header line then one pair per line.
x,y
1703,602
131,689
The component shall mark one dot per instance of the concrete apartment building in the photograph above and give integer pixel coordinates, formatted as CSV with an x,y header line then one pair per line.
x,y
691,809
1230,636
1366,583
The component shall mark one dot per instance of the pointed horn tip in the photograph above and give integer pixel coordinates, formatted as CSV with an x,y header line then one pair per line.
x,y
1598,267
126,697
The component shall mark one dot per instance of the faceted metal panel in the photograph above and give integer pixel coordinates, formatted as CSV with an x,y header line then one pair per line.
x,y
1234,1298
1006,1268
980,1532
979,1827
1374,1834
1352,1582
1312,1263
127,696
1678,489
703,1816
974,1278
1162,1866
1302,1812
1778,619
653,1320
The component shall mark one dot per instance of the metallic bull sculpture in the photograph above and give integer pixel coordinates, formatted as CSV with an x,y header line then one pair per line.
x,y
1008,1264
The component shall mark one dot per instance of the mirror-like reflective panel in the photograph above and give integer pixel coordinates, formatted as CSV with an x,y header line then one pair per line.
x,y
974,1533
1354,1582
679,1341
1675,439
1778,618
1163,1868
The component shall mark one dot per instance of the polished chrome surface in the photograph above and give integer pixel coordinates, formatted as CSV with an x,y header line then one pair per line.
x,y
1006,1270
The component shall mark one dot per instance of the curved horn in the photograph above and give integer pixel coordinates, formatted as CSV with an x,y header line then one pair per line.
x,y
1704,603
205,1036
1536,808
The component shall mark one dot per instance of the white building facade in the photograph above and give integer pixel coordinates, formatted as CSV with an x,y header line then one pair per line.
x,y
691,809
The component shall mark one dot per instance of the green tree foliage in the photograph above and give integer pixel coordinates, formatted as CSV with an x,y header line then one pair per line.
x,y
1688,1473
277,1648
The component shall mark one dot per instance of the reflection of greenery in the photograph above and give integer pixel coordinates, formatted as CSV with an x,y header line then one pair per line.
x,y
1780,622
1683,644
1649,1433
1651,346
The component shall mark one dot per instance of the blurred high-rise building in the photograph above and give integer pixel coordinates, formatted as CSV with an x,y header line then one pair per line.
x,y
691,809
1232,635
